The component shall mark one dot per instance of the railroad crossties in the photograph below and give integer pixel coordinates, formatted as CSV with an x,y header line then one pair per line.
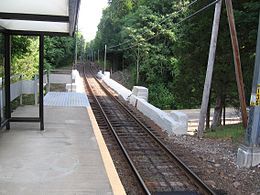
x,y
213,161
174,122
153,166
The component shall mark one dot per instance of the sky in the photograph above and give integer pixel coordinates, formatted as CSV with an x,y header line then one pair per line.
x,y
89,16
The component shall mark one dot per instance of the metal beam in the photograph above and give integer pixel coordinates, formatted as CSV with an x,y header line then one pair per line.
x,y
3,123
34,17
41,67
25,119
34,33
7,78
73,15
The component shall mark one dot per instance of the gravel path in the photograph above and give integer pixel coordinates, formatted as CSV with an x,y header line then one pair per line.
x,y
216,160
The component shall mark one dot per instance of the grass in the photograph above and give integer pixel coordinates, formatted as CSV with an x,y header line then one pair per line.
x,y
235,132
28,99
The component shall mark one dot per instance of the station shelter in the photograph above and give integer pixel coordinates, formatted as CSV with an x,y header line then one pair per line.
x,y
31,18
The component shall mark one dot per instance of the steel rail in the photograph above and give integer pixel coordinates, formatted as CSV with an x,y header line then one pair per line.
x,y
146,190
188,172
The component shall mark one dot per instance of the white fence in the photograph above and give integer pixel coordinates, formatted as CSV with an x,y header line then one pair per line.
x,y
20,87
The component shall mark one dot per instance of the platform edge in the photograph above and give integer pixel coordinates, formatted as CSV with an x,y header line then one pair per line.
x,y
115,182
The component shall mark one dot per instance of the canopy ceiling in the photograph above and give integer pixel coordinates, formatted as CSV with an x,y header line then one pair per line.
x,y
37,16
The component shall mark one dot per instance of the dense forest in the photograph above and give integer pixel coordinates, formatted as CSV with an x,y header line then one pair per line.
x,y
58,52
165,45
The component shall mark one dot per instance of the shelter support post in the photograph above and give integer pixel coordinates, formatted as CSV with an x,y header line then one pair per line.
x,y
41,67
7,78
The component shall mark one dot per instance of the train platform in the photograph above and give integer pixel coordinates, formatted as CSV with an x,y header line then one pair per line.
x,y
68,157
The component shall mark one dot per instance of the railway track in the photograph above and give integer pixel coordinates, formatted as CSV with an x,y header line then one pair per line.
x,y
158,170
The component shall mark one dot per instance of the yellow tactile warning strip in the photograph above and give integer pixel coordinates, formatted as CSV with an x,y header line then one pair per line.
x,y
113,177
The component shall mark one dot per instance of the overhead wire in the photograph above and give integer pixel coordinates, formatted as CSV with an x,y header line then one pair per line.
x,y
184,19
165,19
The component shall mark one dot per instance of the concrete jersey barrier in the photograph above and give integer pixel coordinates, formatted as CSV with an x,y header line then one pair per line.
x,y
174,122
120,89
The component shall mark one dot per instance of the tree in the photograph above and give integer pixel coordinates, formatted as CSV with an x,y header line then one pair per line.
x,y
173,55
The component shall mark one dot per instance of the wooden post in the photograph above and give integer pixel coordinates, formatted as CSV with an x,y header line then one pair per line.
x,y
211,60
105,59
237,61
137,65
208,115
76,49
98,55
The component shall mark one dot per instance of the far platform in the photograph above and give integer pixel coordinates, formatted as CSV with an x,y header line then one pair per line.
x,y
68,157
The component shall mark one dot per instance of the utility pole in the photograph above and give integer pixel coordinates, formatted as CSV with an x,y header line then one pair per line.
x,y
76,48
105,59
237,61
137,65
211,60
253,130
82,53
98,55
249,154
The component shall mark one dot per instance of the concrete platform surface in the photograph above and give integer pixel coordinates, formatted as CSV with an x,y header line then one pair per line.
x,y
66,99
64,159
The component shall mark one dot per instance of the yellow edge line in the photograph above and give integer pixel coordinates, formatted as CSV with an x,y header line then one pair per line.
x,y
113,177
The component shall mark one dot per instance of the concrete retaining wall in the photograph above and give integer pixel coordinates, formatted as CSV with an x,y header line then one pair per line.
x,y
120,89
175,122
60,78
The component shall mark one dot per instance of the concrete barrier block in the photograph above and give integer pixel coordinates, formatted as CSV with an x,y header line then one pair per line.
x,y
60,78
120,89
182,120
162,119
74,74
140,92
173,123
107,74
248,156
133,100
100,75
71,87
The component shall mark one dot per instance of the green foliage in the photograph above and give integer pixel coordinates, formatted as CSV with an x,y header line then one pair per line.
x,y
234,132
59,51
173,57
25,56
160,96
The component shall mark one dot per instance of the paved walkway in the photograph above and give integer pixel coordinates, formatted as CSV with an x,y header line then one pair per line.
x,y
69,157
64,159
66,99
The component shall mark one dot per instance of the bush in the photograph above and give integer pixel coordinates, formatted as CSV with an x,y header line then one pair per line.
x,y
161,97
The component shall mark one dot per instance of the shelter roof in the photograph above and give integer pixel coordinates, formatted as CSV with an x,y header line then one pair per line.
x,y
39,16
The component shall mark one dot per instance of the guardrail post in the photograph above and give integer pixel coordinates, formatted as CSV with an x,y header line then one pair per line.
x,y
48,81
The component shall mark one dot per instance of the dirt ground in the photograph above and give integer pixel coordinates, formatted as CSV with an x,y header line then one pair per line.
x,y
213,160
215,163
